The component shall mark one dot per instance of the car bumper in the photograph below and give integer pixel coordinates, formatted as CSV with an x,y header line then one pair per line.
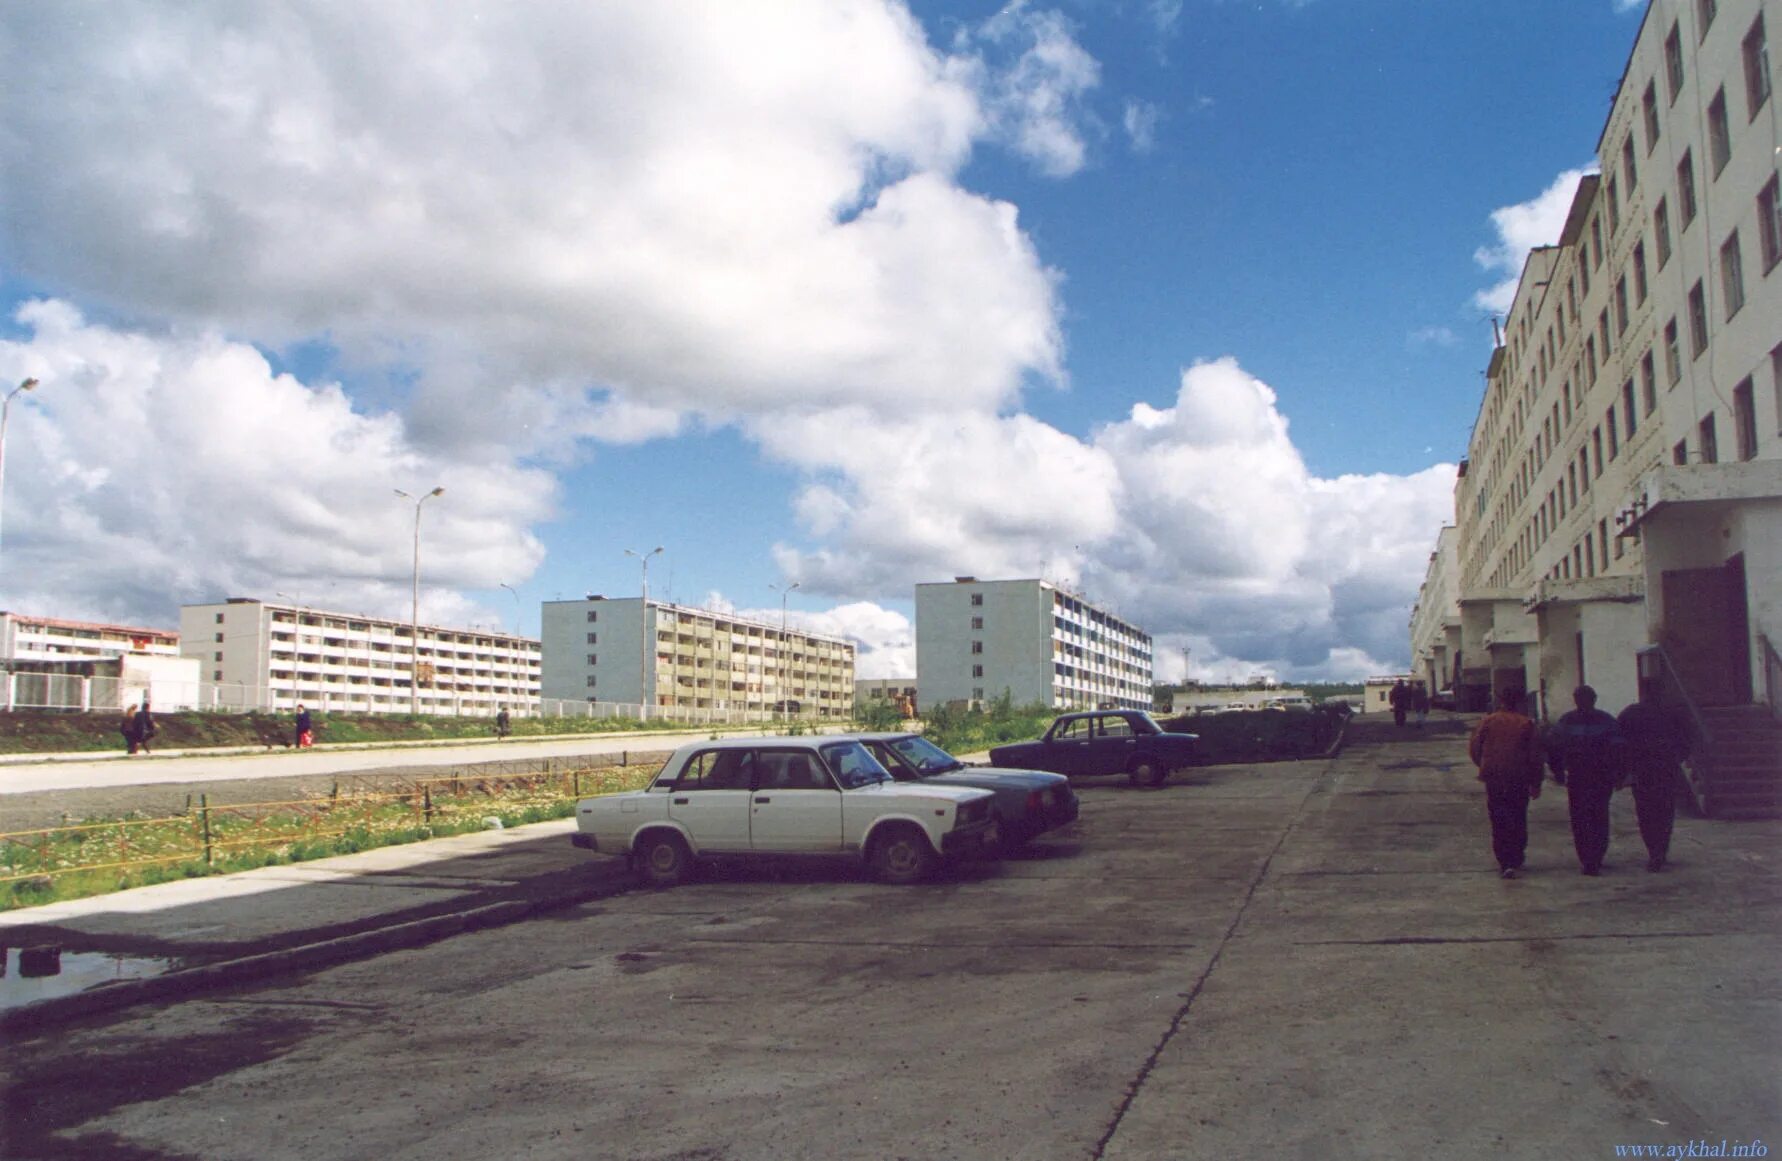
x,y
583,840
967,840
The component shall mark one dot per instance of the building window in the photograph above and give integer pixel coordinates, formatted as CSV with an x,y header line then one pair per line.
x,y
1769,223
1629,170
1583,276
593,616
1719,133
1661,232
1673,63
977,600
1709,441
1596,244
1649,103
593,659
1698,320
1745,420
591,681
1629,419
593,638
977,671
1757,67
1602,329
1673,355
219,657
1614,198
1680,453
1704,15
219,618
1732,275
1614,434
1596,445
1642,287
977,622
219,636
1686,188
1648,383
977,646
1621,305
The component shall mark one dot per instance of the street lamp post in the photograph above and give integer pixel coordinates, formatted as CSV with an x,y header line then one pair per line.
x,y
414,615
519,611
5,410
784,593
643,625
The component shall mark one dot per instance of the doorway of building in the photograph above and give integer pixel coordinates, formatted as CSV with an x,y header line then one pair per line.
x,y
1706,633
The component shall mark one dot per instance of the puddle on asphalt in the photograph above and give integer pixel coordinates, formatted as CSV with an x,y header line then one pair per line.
x,y
32,974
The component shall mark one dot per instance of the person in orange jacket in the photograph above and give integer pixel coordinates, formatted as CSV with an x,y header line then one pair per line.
x,y
1507,750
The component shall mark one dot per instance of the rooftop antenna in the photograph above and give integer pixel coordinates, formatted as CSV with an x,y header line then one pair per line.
x,y
1497,334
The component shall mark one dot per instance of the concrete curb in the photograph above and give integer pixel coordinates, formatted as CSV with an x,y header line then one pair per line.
x,y
607,878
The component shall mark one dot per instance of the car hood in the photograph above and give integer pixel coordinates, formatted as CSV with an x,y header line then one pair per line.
x,y
926,789
995,778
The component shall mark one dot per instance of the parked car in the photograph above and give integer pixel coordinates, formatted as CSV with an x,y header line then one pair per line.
x,y
1028,803
1103,742
784,797
1290,703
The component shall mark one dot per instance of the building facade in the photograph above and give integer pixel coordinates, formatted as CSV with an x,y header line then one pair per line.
x,y
256,654
1435,619
24,638
1619,511
52,663
1030,641
688,662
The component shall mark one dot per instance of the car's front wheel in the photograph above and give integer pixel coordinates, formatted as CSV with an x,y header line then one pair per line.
x,y
902,855
1148,772
664,858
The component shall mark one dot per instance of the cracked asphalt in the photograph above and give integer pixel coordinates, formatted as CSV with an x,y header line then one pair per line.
x,y
1310,959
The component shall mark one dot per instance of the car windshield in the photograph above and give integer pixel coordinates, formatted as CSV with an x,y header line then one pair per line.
x,y
925,756
854,764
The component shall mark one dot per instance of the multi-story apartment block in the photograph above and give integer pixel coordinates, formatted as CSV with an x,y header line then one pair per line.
x,y
1029,640
274,656
1619,512
49,639
1435,619
50,662
692,662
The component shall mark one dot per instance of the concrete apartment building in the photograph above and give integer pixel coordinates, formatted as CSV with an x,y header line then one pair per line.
x,y
266,655
694,662
50,662
1029,639
1619,511
1435,618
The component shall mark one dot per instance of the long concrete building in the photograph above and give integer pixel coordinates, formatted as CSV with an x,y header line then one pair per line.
x,y
260,654
1030,641
1618,516
691,663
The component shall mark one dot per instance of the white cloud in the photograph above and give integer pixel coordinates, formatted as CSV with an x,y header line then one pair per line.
x,y
1037,101
884,640
1433,336
153,470
1520,229
1140,123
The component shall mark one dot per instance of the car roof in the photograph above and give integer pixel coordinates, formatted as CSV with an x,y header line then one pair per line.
x,y
778,742
882,735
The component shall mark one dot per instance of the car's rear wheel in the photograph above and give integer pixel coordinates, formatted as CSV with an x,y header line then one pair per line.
x,y
664,858
902,855
1148,772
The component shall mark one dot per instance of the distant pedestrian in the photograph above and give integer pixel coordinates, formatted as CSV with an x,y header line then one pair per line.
x,y
1657,741
1507,751
1420,703
502,723
302,734
1585,751
1400,700
127,727
145,726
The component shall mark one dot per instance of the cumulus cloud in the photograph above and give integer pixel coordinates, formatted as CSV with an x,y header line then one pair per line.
x,y
1037,102
153,470
1520,229
1140,123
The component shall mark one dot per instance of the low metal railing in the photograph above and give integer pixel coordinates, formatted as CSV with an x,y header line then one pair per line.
x,y
1772,675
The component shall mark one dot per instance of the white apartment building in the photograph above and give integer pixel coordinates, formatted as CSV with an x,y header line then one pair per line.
x,y
1435,619
1619,511
1029,640
693,663
91,666
24,638
258,654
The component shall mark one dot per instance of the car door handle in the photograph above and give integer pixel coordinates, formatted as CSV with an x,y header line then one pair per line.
x,y
764,798
680,802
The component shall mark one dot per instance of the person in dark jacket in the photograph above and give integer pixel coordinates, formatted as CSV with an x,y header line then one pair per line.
x,y
1507,751
1584,750
301,728
1399,698
145,726
1657,741
127,727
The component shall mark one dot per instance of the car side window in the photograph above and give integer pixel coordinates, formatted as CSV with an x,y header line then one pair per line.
x,y
1116,728
1075,731
716,770
792,770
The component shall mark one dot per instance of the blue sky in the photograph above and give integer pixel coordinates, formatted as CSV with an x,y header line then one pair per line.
x,y
1178,302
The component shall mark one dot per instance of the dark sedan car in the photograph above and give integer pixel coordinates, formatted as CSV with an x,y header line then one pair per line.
x,y
1027,802
1103,742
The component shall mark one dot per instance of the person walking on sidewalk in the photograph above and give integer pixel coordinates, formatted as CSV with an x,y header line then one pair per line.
x,y
1507,751
301,737
1584,750
127,727
1657,741
144,727
1420,703
1399,698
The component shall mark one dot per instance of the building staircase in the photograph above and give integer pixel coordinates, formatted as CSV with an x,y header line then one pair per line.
x,y
1737,770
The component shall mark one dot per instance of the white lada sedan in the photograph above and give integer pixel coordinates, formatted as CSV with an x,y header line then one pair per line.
x,y
784,797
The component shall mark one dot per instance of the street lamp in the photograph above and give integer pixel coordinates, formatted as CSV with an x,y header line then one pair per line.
x,y
643,625
414,616
519,611
5,409
784,593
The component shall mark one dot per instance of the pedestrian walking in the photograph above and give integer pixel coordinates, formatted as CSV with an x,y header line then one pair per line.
x,y
302,735
144,727
127,727
1585,751
1399,698
502,723
1507,750
1420,703
1657,741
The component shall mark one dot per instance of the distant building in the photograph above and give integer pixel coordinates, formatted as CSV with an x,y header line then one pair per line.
x,y
689,661
1376,692
1028,640
870,689
87,665
274,656
1435,619
27,638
